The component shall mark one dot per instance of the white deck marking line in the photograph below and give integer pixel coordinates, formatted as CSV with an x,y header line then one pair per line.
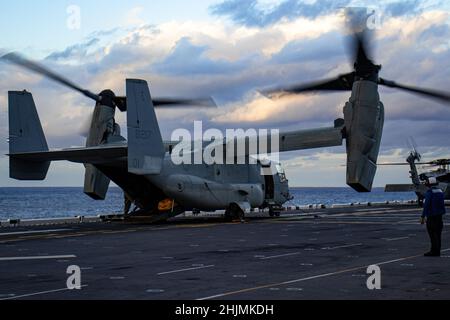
x,y
70,256
368,213
39,293
375,217
413,220
395,239
344,246
75,235
32,232
308,278
280,256
187,269
118,231
323,221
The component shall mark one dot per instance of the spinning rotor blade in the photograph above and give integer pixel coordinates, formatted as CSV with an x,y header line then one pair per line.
x,y
431,163
356,23
198,102
393,164
121,103
441,96
360,49
440,162
342,83
363,65
37,68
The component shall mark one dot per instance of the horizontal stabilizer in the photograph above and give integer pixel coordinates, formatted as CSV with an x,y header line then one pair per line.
x,y
94,155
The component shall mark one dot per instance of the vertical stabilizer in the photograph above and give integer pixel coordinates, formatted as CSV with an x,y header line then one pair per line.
x,y
25,135
145,145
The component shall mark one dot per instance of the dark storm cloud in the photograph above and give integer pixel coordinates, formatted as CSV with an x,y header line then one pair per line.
x,y
249,12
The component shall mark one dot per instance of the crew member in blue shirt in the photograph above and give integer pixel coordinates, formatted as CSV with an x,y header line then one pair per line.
x,y
433,212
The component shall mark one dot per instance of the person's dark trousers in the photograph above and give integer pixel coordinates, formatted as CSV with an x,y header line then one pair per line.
x,y
434,226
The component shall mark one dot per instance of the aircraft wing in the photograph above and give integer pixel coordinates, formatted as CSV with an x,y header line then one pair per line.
x,y
310,139
297,140
95,155
288,141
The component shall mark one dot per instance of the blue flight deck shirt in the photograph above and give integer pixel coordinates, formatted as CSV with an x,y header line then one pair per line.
x,y
434,204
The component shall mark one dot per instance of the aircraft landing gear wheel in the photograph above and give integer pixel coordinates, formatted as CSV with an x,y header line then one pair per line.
x,y
271,212
274,213
241,215
228,215
234,212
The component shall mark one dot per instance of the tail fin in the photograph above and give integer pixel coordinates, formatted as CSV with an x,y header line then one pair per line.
x,y
145,145
25,135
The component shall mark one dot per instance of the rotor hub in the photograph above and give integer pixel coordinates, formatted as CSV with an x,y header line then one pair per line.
x,y
107,98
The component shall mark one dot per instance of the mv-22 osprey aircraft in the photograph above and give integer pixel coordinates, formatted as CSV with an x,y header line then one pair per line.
x,y
142,166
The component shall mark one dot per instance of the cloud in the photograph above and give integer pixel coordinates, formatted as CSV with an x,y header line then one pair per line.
x,y
232,62
402,8
133,17
251,13
187,58
260,14
75,52
327,47
3,104
295,110
104,33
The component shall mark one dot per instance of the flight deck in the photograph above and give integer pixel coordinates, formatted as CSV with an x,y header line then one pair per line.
x,y
318,254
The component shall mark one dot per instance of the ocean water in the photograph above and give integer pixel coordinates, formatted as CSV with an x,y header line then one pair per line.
x,y
32,203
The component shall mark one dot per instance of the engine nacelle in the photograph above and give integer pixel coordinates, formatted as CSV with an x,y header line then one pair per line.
x,y
96,184
364,122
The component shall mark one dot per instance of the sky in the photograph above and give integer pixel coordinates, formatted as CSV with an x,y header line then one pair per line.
x,y
228,49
